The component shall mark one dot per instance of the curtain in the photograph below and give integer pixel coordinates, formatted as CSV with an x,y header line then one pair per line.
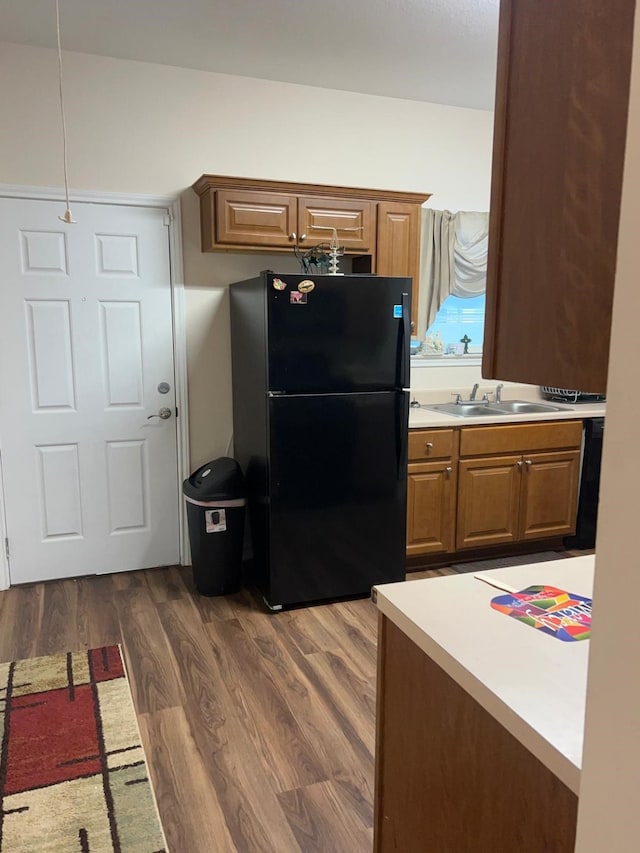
x,y
453,260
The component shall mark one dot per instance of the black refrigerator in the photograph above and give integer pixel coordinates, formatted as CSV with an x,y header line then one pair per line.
x,y
320,413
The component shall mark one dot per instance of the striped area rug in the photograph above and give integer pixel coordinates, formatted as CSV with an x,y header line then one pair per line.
x,y
73,775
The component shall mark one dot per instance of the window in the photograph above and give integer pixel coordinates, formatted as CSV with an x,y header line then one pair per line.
x,y
456,319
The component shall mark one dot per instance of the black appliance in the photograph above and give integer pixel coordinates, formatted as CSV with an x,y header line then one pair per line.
x,y
320,364
585,535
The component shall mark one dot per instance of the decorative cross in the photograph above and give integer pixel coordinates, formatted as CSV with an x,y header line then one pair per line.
x,y
466,341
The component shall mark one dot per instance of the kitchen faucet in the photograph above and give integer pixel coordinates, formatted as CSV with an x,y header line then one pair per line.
x,y
499,392
472,396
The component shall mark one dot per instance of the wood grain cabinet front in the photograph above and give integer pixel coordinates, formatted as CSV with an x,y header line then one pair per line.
x,y
353,220
257,219
431,491
530,494
431,507
379,228
559,140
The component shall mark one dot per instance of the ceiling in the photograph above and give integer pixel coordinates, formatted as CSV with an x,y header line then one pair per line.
x,y
424,50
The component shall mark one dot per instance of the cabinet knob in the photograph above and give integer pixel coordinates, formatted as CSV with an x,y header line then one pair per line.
x,y
303,237
428,446
519,464
528,463
448,470
293,236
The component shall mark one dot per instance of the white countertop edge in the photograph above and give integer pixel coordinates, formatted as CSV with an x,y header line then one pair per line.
x,y
554,760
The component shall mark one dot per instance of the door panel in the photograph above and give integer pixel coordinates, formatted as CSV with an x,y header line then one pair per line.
x,y
431,507
255,219
354,222
488,501
85,318
549,494
349,335
398,244
338,494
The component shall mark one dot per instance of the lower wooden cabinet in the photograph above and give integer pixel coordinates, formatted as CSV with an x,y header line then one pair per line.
x,y
508,499
488,501
431,507
502,485
431,491
549,495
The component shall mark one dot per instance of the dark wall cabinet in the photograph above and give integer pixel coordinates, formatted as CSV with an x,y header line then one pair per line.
x,y
559,140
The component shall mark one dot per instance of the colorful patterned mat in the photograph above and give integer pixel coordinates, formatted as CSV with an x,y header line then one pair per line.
x,y
73,774
554,611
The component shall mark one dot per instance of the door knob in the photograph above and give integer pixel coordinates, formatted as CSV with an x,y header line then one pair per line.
x,y
164,414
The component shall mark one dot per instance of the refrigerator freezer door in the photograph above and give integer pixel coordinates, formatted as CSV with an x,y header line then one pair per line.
x,y
338,466
347,333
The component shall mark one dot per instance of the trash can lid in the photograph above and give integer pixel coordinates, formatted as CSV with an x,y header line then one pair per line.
x,y
220,480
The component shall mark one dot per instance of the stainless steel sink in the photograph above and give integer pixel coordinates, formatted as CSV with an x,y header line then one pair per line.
x,y
467,410
482,409
523,407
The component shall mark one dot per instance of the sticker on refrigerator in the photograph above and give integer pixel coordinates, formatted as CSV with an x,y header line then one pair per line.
x,y
397,312
306,286
215,520
297,298
279,284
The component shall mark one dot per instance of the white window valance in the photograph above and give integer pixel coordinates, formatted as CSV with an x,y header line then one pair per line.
x,y
453,259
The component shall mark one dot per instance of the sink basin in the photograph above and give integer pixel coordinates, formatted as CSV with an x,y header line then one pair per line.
x,y
523,407
467,410
483,409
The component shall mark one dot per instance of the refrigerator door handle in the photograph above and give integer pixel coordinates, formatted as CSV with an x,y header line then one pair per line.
x,y
402,433
405,341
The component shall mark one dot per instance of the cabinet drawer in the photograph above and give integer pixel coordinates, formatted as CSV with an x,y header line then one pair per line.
x,y
431,444
519,438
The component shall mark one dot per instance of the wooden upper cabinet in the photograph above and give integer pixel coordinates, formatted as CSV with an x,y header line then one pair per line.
x,y
267,219
353,220
380,227
398,247
559,140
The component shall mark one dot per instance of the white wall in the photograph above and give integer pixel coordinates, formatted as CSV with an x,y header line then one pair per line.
x,y
609,813
143,128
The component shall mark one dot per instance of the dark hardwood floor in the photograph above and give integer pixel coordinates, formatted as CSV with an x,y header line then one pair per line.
x,y
258,728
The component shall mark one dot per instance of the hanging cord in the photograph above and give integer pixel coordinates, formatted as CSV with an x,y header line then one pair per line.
x,y
68,218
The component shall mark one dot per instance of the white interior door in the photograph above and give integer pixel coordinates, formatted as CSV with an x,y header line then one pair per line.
x,y
90,482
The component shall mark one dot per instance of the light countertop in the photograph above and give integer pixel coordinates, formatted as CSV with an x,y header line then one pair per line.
x,y
532,683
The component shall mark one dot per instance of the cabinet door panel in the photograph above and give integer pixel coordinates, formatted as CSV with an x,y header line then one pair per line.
x,y
488,501
398,249
246,218
549,494
353,220
560,129
430,507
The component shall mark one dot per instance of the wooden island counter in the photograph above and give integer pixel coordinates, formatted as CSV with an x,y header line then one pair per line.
x,y
480,717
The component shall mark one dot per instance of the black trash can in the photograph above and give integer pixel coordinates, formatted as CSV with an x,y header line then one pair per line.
x,y
216,501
